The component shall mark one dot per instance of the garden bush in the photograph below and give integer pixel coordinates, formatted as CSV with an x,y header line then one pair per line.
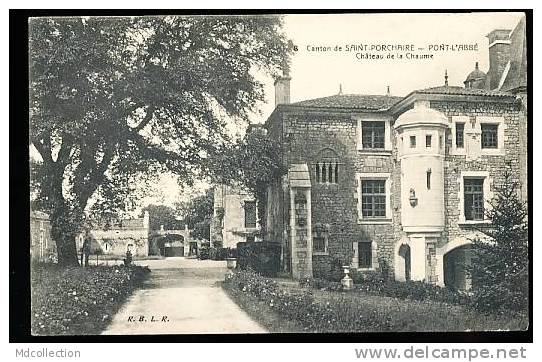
x,y
366,277
321,284
79,300
331,311
340,314
261,257
204,253
332,271
373,283
414,290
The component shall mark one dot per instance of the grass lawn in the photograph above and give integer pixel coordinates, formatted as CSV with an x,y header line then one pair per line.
x,y
403,315
79,301
284,303
262,313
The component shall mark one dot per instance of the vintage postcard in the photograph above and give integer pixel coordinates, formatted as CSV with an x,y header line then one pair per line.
x,y
279,173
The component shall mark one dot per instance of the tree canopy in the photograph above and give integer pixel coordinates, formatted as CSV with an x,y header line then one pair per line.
x,y
162,215
113,98
198,213
253,163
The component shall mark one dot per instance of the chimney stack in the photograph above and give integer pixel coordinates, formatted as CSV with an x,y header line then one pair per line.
x,y
499,55
282,86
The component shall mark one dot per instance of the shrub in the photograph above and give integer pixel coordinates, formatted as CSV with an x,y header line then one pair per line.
x,y
321,284
317,311
414,290
500,275
79,300
334,271
261,257
204,253
384,269
220,253
340,314
366,277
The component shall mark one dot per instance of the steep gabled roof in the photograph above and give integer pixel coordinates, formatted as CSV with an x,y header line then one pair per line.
x,y
353,101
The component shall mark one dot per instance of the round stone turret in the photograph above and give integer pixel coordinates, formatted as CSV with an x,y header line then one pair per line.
x,y
421,144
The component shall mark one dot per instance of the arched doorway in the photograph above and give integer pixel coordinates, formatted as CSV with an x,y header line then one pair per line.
x,y
173,245
404,253
456,263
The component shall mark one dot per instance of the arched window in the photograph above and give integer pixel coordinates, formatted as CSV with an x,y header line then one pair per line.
x,y
327,167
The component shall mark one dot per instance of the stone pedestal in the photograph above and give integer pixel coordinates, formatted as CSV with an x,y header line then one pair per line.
x,y
347,282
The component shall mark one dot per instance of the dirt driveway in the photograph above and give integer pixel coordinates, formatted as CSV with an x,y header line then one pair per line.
x,y
182,296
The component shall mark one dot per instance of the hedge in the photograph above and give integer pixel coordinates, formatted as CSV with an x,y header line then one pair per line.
x,y
79,300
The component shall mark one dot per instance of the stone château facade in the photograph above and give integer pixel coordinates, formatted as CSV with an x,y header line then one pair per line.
x,y
235,217
377,181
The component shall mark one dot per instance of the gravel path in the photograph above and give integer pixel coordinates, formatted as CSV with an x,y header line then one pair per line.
x,y
182,296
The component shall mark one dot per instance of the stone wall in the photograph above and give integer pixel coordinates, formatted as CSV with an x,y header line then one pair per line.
x,y
336,204
494,165
116,239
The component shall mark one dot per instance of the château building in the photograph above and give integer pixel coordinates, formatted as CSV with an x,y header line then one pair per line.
x,y
400,182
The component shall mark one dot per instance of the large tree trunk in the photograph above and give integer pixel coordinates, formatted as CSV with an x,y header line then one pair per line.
x,y
66,250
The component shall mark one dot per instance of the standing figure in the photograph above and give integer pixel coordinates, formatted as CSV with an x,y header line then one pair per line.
x,y
85,250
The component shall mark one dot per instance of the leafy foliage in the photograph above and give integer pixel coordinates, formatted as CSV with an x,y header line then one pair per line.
x,y
334,311
79,300
500,267
263,258
111,99
197,215
373,283
161,215
253,163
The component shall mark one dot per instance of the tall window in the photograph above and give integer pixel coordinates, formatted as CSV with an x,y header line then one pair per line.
x,y
460,135
365,254
319,238
428,140
412,141
319,244
373,134
373,198
250,214
474,198
490,136
327,168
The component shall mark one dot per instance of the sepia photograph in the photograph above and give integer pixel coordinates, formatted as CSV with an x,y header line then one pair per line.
x,y
279,173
